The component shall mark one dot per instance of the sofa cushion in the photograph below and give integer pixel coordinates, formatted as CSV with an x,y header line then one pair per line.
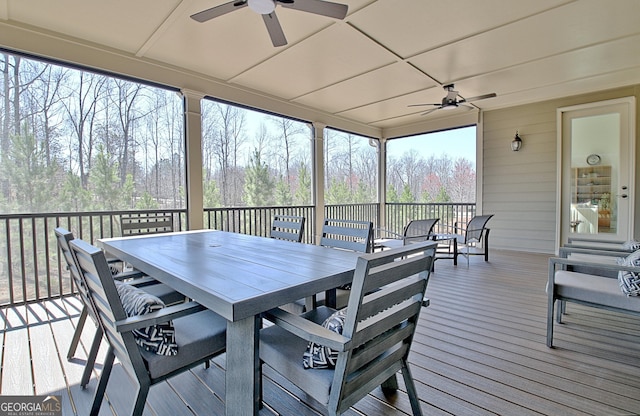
x,y
598,290
159,338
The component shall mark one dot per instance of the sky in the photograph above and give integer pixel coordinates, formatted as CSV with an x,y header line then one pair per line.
x,y
455,143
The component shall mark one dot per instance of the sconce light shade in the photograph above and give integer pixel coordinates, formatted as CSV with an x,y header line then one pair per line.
x,y
516,143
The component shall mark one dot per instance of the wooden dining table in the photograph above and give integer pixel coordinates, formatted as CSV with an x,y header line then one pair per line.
x,y
239,277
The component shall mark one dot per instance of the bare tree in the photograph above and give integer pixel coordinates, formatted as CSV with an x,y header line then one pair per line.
x,y
126,97
44,99
463,183
226,138
81,107
289,132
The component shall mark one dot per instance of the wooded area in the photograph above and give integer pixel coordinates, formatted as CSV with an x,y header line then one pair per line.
x,y
74,140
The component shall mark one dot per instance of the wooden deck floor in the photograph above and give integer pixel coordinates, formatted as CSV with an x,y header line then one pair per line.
x,y
480,350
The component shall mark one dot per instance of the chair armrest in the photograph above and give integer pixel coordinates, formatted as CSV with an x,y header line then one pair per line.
x,y
554,261
565,251
132,274
591,240
158,317
308,330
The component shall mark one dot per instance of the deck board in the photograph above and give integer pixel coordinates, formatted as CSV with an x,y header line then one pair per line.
x,y
479,350
16,357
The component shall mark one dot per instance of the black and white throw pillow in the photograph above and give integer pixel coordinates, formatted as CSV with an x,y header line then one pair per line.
x,y
630,281
317,355
159,338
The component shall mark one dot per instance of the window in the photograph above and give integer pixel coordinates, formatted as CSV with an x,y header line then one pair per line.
x,y
254,159
433,167
73,140
351,168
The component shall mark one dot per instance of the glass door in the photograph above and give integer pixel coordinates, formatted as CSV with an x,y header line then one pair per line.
x,y
597,171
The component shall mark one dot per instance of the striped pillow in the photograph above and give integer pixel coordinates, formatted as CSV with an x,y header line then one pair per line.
x,y
630,281
159,338
319,356
631,245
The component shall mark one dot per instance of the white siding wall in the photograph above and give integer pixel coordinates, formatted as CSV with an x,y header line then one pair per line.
x,y
520,187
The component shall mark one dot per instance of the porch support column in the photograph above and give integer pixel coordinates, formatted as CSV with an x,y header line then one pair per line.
x,y
382,182
318,177
193,158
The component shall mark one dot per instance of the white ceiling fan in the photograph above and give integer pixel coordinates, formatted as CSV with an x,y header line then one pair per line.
x,y
451,101
267,9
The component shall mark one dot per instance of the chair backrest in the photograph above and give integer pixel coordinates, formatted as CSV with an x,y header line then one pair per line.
x,y
96,275
146,223
475,228
384,306
64,237
419,230
348,234
287,227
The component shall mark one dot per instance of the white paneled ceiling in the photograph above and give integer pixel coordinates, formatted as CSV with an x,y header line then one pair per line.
x,y
366,69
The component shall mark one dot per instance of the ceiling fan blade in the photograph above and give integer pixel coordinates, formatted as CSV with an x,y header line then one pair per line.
x,y
209,14
480,97
421,105
430,111
274,29
324,8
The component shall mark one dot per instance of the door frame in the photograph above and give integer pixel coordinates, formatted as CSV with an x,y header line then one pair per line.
x,y
630,102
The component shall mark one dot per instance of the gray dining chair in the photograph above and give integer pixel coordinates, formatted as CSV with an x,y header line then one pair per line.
x,y
138,279
351,235
287,227
146,223
340,234
338,357
467,238
415,230
179,337
348,234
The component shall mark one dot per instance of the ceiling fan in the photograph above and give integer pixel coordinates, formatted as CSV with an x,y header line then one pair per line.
x,y
267,9
450,101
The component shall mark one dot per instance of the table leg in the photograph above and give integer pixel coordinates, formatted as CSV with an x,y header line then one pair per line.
x,y
455,252
242,392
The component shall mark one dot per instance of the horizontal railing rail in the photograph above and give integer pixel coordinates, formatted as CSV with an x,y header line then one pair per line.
x,y
32,270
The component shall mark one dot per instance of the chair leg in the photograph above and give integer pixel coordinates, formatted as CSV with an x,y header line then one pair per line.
x,y
102,383
390,385
550,322
141,399
486,245
411,389
455,252
76,335
261,387
91,359
560,310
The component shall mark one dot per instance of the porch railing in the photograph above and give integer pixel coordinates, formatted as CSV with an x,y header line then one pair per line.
x,y
257,220
399,214
31,268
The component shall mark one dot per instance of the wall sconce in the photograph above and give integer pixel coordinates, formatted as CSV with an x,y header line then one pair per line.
x,y
516,143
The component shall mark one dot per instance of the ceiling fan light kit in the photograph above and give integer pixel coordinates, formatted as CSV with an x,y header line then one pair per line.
x,y
267,9
262,6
